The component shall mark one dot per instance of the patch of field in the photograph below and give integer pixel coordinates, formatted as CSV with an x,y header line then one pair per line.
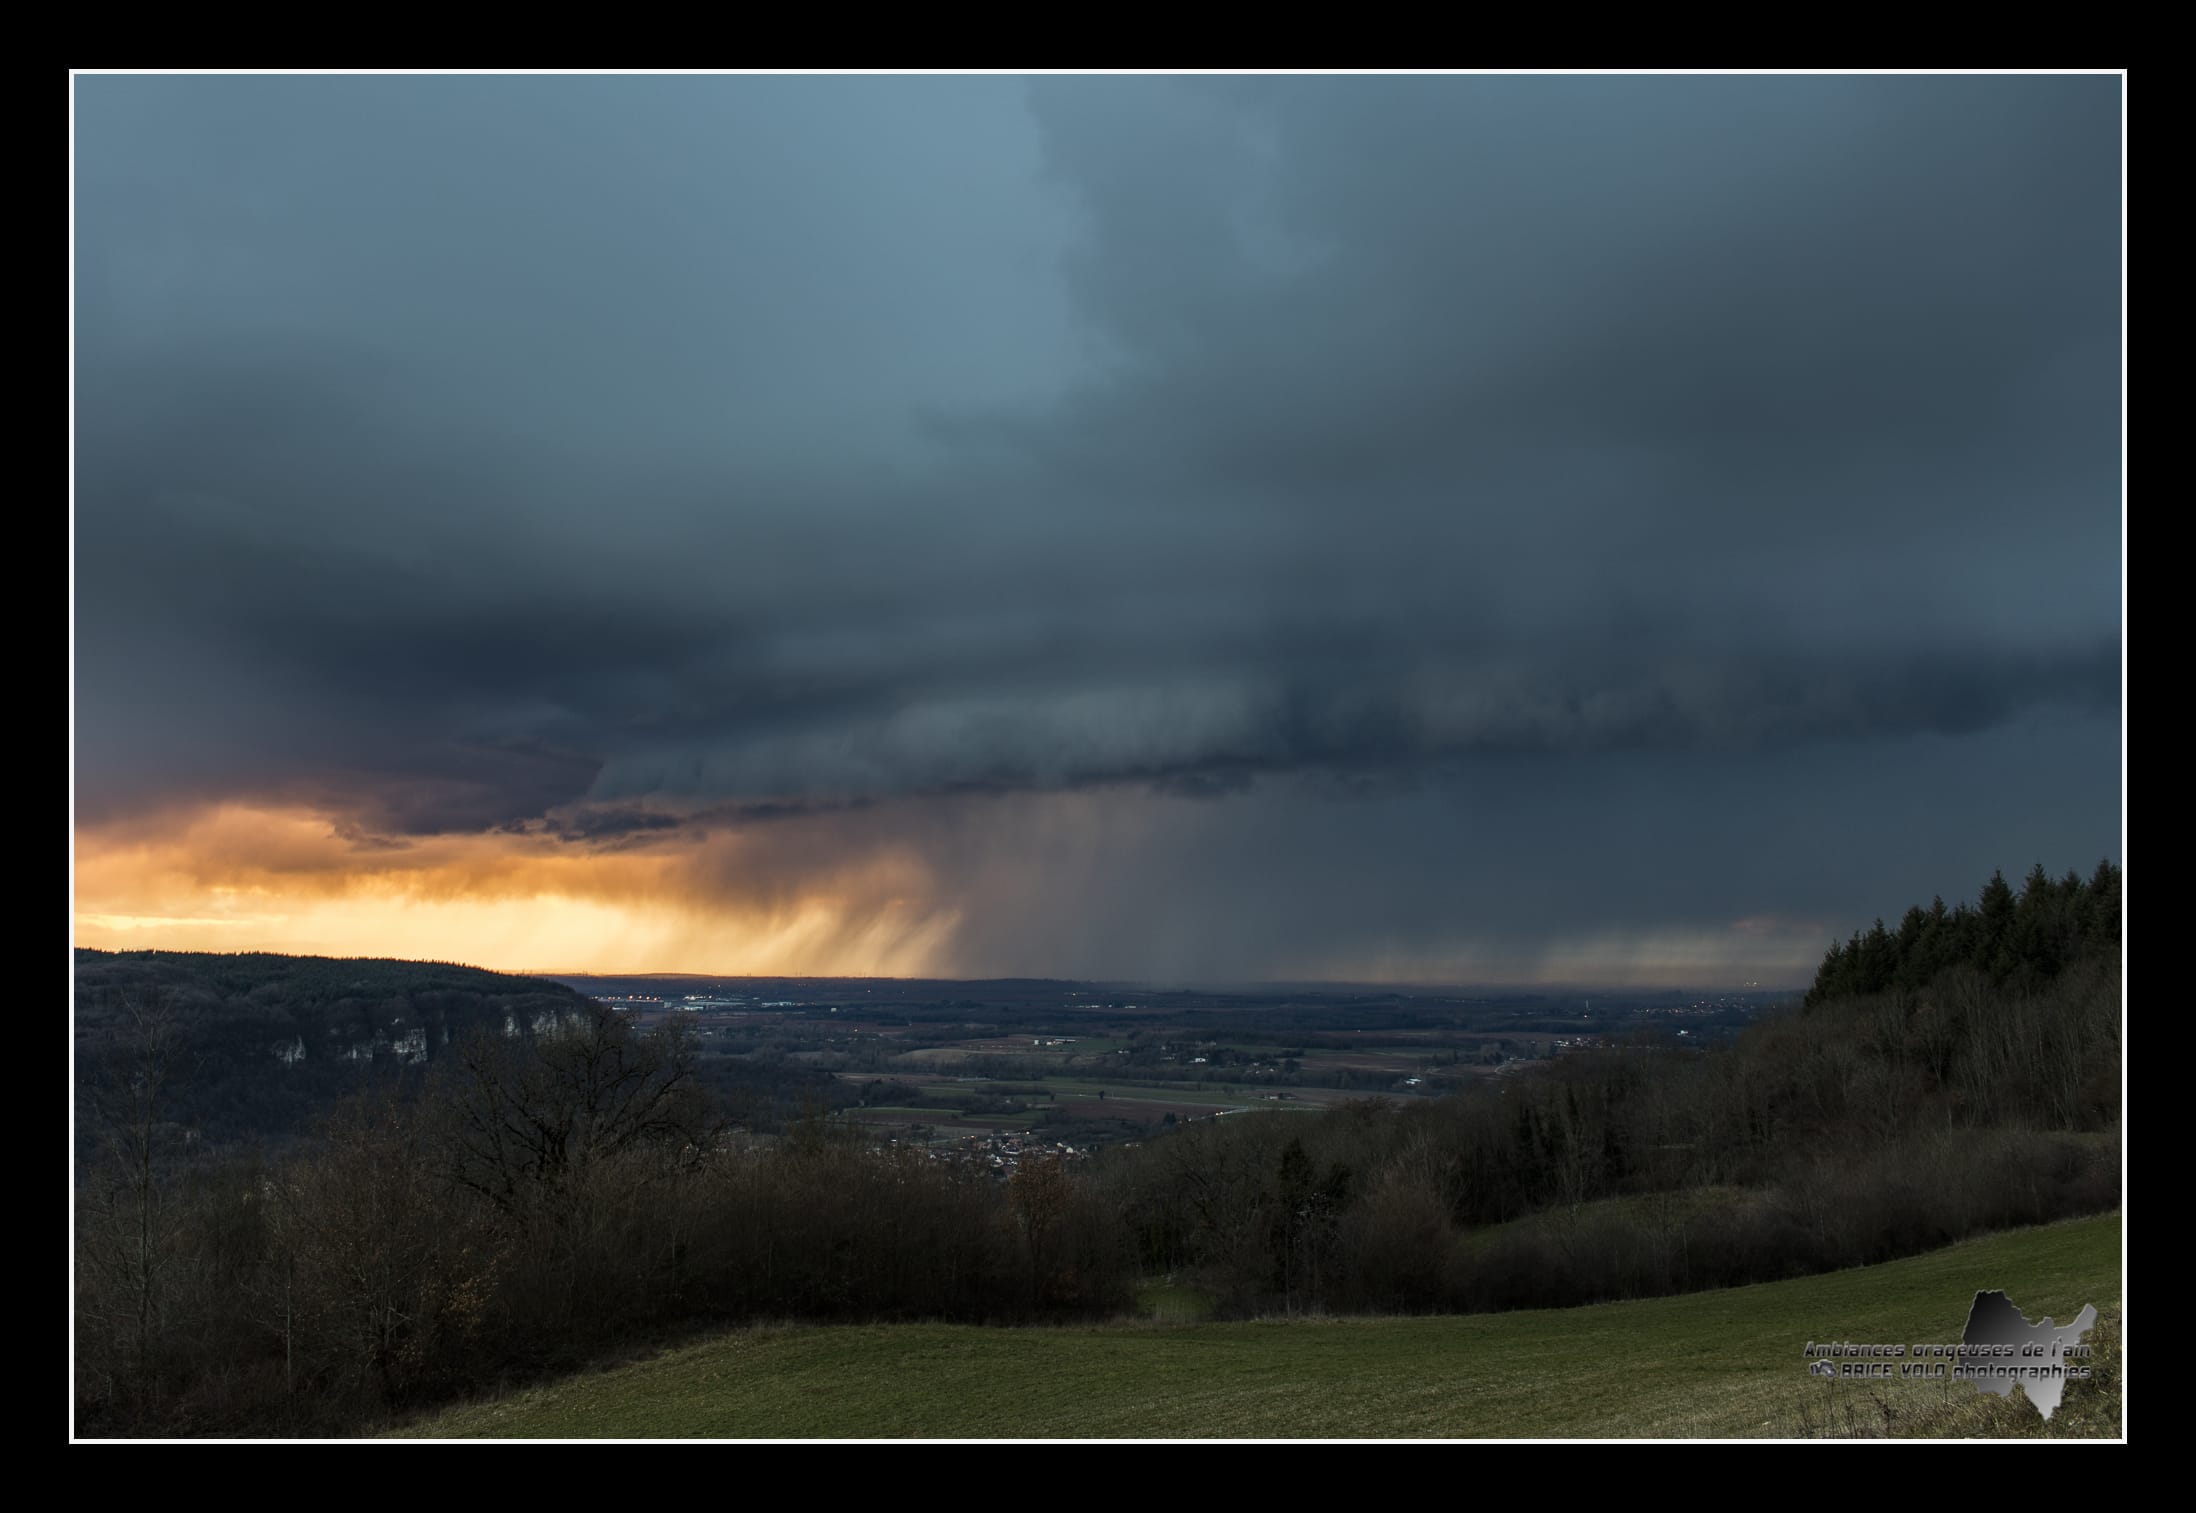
x,y
936,1118
1141,1108
1043,1047
1711,1365
1086,1077
1217,1095
1213,1094
927,1054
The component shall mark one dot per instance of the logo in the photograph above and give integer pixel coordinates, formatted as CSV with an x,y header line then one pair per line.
x,y
1998,1351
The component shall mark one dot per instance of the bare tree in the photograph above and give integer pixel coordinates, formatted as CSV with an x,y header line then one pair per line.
x,y
127,1246
376,1269
1039,1189
529,1115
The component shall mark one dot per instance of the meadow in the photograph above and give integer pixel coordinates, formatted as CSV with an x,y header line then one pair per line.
x,y
1725,1364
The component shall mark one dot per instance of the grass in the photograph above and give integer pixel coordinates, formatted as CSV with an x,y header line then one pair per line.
x,y
1718,1364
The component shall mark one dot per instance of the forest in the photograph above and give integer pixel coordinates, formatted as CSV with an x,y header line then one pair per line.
x,y
555,1190
2011,940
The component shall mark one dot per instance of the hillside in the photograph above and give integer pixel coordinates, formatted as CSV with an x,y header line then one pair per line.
x,y
260,1044
1718,1364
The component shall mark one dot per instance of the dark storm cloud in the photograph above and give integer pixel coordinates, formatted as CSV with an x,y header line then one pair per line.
x,y
576,455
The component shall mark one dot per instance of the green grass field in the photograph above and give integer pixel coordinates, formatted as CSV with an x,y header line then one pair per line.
x,y
898,1114
1719,1364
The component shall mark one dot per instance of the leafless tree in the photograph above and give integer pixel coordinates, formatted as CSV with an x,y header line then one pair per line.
x,y
126,1249
529,1115
1040,1194
376,1269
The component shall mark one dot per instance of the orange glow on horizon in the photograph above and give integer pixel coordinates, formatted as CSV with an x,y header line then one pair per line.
x,y
790,898
236,878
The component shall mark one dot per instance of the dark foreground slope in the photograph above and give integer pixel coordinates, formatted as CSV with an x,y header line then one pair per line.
x,y
1717,1364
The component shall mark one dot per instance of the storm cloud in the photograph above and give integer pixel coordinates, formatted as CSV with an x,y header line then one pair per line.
x,y
1203,526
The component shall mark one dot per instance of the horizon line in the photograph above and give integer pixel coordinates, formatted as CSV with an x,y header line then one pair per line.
x,y
1182,984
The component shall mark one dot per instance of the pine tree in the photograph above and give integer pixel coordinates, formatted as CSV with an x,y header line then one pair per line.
x,y
1829,975
2026,938
1936,940
1911,947
1879,959
2101,906
1963,941
1995,935
2030,950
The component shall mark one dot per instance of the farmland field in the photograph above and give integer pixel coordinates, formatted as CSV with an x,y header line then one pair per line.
x,y
1714,1364
1082,1066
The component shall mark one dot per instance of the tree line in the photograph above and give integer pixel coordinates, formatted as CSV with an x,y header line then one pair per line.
x,y
539,1201
2021,939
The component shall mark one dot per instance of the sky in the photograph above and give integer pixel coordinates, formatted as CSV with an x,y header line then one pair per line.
x,y
1587,529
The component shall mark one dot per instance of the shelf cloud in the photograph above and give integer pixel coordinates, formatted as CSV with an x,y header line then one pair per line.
x,y
1375,527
